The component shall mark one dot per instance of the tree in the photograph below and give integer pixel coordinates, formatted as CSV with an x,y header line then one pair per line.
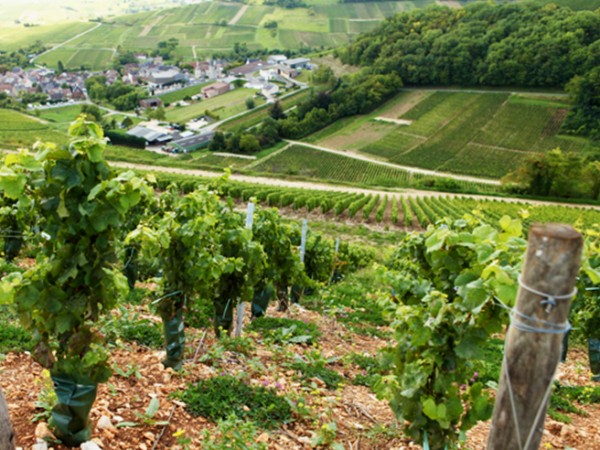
x,y
218,142
584,92
249,144
93,113
60,67
276,111
250,103
127,122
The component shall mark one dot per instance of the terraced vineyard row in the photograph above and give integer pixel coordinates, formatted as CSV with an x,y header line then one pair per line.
x,y
396,210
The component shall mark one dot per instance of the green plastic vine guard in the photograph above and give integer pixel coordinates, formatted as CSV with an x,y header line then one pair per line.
x,y
71,414
426,443
261,299
175,339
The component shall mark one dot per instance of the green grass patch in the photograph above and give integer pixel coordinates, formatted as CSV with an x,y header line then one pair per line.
x,y
219,397
317,369
223,106
14,338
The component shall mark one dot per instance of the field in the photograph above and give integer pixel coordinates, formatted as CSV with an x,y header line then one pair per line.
x,y
12,38
225,105
180,94
47,12
327,24
18,130
257,115
479,134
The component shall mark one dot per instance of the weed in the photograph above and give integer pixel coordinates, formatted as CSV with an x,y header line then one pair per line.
x,y
129,328
130,370
46,398
220,397
232,433
315,366
372,368
284,331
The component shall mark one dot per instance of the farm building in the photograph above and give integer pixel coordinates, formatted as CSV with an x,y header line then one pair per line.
x,y
153,102
276,59
297,63
152,137
192,143
248,69
215,89
165,76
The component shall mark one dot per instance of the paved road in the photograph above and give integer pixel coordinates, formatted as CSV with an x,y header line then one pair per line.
x,y
396,166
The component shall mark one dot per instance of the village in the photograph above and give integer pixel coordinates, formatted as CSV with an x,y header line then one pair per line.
x,y
44,88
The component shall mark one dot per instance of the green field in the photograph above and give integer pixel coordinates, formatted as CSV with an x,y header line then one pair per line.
x,y
175,96
328,24
225,105
19,130
257,115
480,134
49,12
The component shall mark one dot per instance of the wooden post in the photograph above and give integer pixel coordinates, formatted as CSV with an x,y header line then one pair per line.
x,y
240,308
531,355
7,435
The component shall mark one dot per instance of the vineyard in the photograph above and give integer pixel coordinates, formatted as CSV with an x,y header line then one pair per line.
x,y
470,133
405,211
145,312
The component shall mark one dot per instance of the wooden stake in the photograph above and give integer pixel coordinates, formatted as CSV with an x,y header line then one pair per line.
x,y
531,357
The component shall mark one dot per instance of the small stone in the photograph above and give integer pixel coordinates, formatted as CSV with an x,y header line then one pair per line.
x,y
90,445
264,437
42,431
104,423
245,408
305,440
149,436
143,446
41,445
118,419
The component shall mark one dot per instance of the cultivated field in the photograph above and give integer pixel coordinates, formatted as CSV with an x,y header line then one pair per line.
x,y
18,130
463,132
205,27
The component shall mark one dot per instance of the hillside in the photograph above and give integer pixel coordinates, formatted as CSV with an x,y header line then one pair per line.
x,y
466,132
209,27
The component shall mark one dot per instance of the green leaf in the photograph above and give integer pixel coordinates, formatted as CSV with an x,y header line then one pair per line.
x,y
95,152
125,424
12,183
152,408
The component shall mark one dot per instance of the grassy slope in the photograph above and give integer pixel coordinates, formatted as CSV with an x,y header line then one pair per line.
x,y
225,105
